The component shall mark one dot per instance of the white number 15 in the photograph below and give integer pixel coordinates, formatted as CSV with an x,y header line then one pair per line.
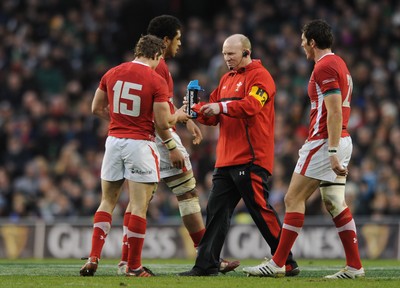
x,y
122,91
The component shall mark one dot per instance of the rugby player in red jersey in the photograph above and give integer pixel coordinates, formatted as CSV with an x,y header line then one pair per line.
x,y
175,167
134,98
323,159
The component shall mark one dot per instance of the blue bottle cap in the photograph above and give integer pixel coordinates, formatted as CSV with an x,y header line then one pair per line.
x,y
194,85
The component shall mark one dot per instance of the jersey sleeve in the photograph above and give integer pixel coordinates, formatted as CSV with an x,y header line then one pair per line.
x,y
161,88
259,93
103,80
201,118
326,76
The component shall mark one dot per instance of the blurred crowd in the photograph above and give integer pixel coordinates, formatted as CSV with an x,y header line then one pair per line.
x,y
53,54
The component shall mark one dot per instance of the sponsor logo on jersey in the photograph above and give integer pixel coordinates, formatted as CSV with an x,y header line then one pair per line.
x,y
328,81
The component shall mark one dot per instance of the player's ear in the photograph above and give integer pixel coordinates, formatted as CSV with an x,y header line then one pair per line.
x,y
166,40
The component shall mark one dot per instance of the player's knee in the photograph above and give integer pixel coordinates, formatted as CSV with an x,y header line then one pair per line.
x,y
183,188
182,185
189,206
290,200
332,194
187,195
140,211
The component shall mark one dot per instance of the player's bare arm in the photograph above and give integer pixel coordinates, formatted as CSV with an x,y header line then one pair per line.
x,y
333,104
195,131
100,105
176,157
163,118
192,128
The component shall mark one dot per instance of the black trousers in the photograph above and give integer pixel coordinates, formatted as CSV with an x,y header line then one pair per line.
x,y
230,184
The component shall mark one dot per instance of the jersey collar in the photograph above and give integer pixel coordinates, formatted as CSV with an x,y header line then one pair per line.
x,y
138,62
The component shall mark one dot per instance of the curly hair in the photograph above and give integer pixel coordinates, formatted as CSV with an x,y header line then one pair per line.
x,y
164,25
149,46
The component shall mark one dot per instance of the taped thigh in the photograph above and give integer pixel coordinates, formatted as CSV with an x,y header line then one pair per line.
x,y
332,194
184,184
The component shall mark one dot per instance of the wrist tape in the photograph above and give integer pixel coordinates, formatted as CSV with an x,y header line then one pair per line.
x,y
332,151
170,144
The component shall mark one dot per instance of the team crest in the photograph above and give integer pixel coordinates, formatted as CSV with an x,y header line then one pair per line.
x,y
238,85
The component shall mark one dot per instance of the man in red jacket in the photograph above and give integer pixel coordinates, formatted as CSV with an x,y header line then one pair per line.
x,y
243,106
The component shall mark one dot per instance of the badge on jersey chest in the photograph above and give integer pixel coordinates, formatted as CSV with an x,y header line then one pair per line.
x,y
238,85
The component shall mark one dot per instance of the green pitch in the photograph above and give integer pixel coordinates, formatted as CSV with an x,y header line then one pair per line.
x,y
65,273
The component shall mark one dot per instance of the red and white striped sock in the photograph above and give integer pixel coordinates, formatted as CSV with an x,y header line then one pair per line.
x,y
136,234
101,227
346,228
124,252
292,224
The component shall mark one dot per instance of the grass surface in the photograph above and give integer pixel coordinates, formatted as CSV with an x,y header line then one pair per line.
x,y
65,273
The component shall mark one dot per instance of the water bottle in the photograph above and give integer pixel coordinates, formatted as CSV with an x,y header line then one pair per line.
x,y
192,96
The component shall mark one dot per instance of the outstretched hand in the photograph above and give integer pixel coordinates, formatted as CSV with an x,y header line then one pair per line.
x,y
196,132
181,115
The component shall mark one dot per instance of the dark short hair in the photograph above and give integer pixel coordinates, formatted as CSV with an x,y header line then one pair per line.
x,y
164,25
149,46
320,31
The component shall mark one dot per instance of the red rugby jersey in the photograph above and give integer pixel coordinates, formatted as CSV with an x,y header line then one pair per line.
x,y
330,75
162,69
131,88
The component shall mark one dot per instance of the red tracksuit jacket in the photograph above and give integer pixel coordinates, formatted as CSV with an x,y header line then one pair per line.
x,y
246,100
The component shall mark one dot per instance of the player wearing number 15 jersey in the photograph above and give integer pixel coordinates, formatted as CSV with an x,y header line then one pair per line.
x,y
131,96
131,103
323,159
175,166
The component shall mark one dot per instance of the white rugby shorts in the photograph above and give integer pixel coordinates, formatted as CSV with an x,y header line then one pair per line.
x,y
314,160
166,168
135,160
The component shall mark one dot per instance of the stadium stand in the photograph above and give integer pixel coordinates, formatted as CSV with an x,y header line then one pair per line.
x,y
53,53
